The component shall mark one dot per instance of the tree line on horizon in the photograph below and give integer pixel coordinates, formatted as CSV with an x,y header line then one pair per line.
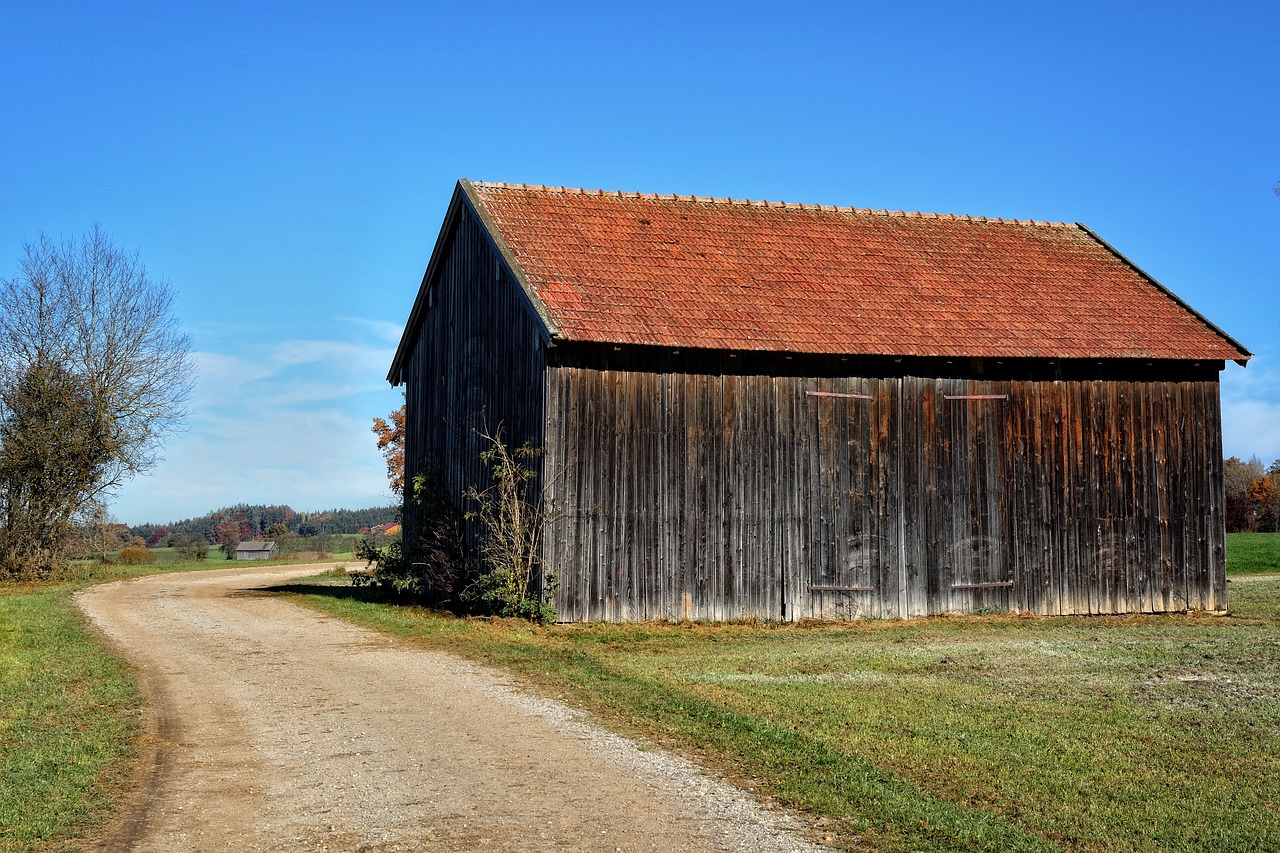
x,y
253,521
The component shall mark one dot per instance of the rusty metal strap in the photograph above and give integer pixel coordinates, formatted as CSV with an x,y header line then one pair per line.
x,y
822,588
834,394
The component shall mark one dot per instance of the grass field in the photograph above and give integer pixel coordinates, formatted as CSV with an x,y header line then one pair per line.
x,y
991,733
994,733
340,548
70,711
1253,553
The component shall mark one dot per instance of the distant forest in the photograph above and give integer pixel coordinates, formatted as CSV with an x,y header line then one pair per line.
x,y
253,521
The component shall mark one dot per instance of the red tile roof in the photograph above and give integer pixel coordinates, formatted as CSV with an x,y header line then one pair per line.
x,y
680,271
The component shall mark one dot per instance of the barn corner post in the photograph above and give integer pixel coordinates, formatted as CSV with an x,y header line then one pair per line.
x,y
1218,601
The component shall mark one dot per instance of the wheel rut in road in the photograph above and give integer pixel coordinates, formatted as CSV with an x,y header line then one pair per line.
x,y
272,727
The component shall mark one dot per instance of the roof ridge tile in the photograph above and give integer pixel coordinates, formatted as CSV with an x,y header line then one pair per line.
x,y
776,205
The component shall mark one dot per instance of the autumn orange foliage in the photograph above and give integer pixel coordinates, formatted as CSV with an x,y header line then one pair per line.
x,y
136,556
1252,496
390,435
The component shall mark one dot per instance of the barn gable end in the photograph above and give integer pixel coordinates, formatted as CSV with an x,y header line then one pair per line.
x,y
475,360
768,411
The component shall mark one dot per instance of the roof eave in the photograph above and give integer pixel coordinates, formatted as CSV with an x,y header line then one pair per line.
x,y
1244,354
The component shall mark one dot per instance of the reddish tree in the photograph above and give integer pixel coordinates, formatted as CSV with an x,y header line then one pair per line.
x,y
1264,499
390,435
229,534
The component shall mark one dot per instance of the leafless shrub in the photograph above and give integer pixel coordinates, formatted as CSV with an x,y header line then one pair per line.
x,y
511,521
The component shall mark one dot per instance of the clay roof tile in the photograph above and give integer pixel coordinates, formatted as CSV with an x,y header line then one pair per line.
x,y
692,271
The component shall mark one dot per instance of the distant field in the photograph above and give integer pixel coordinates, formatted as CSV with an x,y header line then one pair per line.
x,y
171,557
1247,553
341,544
340,548
1253,553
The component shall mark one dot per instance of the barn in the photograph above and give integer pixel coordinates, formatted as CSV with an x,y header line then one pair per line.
x,y
253,549
781,411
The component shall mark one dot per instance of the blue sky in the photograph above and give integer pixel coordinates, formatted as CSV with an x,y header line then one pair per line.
x,y
287,168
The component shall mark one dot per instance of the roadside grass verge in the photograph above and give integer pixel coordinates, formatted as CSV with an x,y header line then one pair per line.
x,y
1253,553
70,711
975,733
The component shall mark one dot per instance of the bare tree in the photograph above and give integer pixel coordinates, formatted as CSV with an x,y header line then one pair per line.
x,y
95,372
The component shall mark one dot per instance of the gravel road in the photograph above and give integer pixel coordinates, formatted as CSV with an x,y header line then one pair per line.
x,y
274,728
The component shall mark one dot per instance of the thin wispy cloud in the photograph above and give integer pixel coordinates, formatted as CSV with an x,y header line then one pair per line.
x,y
390,332
285,421
290,372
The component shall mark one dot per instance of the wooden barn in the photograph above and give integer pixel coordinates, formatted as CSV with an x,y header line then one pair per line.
x,y
253,549
794,411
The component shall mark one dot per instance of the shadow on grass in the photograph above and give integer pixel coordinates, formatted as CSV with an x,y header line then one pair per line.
x,y
341,591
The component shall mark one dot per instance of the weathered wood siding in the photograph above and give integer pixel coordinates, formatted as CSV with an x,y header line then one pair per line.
x,y
477,364
712,496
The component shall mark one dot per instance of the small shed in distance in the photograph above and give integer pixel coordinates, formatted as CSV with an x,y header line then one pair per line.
x,y
793,411
256,550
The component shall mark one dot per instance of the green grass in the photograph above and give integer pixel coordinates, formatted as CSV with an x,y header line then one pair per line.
x,y
69,716
990,733
70,712
1253,553
1000,733
343,544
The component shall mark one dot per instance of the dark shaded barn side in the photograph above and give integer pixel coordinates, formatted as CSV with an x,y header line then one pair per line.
x,y
477,364
693,483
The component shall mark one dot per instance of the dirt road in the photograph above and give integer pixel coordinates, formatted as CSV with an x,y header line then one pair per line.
x,y
276,728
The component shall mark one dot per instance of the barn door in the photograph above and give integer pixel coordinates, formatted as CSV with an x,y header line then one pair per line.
x,y
905,513
954,449
853,534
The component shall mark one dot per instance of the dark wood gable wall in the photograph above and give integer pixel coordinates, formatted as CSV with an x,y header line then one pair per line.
x,y
732,493
477,365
